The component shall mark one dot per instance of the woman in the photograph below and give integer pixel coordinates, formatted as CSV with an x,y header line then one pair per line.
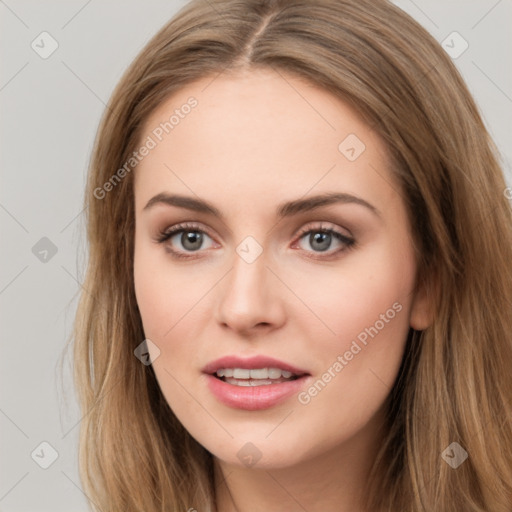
x,y
299,284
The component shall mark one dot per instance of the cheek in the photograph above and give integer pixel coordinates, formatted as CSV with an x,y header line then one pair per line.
x,y
354,293
170,296
169,301
152,290
364,306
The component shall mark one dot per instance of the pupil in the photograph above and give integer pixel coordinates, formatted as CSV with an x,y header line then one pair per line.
x,y
191,240
324,239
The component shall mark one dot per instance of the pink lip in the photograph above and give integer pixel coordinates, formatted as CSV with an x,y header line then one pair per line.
x,y
250,363
252,398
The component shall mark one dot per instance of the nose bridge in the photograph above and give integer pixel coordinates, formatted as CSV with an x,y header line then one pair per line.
x,y
248,280
249,296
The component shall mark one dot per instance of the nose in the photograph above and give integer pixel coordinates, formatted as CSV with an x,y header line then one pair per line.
x,y
249,299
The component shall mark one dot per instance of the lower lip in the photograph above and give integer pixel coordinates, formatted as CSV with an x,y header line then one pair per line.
x,y
253,398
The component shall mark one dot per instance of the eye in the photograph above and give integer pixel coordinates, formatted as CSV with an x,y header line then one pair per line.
x,y
321,239
183,240
188,238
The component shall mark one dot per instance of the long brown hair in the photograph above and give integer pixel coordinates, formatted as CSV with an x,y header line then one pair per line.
x,y
455,383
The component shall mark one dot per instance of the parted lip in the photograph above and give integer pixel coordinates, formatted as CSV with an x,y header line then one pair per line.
x,y
251,363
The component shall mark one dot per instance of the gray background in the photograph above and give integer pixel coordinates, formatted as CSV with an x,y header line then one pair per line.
x,y
50,110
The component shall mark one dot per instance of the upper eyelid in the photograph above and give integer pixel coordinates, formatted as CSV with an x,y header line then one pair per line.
x,y
309,226
185,226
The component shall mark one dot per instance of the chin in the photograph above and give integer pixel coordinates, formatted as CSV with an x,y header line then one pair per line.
x,y
266,455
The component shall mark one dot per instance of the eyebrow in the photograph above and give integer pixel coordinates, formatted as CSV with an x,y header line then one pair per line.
x,y
287,209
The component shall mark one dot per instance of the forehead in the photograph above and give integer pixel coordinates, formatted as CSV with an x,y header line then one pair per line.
x,y
258,132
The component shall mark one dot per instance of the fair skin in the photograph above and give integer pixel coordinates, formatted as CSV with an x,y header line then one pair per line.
x,y
254,141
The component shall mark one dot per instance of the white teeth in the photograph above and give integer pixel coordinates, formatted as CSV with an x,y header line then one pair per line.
x,y
274,373
260,373
241,373
243,383
256,373
253,382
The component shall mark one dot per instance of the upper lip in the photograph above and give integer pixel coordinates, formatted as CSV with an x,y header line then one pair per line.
x,y
251,363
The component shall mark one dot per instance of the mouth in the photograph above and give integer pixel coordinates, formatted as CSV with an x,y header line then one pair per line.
x,y
255,383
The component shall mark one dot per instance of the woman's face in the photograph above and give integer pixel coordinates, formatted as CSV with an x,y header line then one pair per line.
x,y
295,246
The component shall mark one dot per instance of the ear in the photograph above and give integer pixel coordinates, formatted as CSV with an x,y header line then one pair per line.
x,y
423,304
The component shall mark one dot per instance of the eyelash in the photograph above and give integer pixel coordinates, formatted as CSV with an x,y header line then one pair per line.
x,y
165,235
